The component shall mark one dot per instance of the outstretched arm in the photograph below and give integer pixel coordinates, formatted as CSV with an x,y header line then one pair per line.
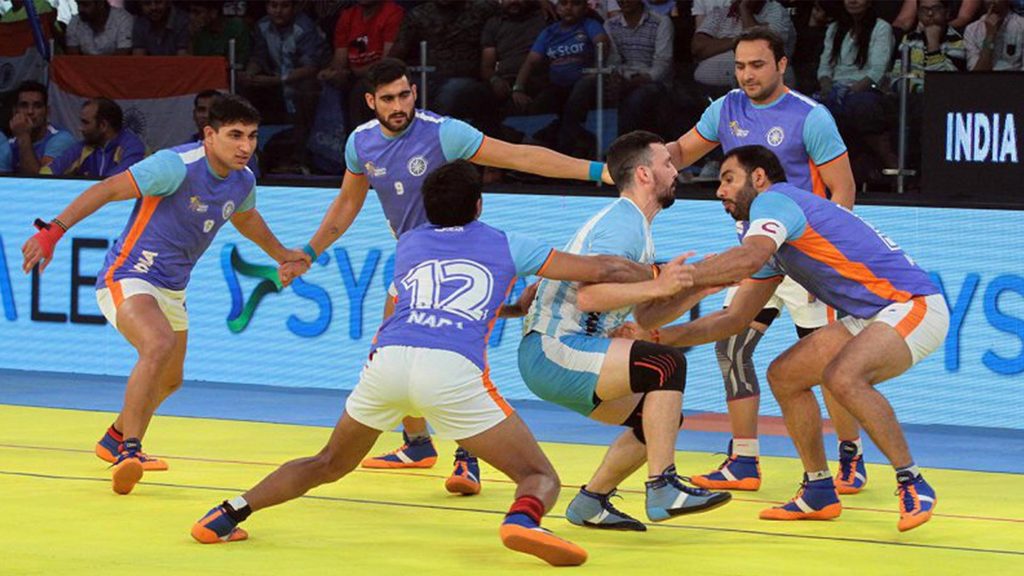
x,y
735,264
538,160
39,248
611,295
748,301
251,225
689,148
342,212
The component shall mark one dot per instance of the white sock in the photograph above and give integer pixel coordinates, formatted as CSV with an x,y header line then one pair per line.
x,y
746,447
238,503
821,475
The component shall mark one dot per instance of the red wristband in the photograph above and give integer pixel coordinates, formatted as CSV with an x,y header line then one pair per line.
x,y
47,237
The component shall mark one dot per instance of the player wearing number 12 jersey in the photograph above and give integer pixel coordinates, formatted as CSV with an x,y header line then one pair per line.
x,y
429,359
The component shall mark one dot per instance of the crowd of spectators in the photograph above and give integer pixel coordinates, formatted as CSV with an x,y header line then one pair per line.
x,y
492,62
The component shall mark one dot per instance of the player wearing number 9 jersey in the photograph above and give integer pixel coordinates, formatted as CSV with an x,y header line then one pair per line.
x,y
428,359
394,153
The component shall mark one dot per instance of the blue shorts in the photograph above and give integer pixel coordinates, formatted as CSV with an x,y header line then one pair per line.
x,y
563,370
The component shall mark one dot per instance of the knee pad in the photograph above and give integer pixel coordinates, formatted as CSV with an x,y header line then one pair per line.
x,y
655,367
635,421
736,360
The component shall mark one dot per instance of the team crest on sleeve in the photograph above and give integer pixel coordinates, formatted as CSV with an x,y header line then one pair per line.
x,y
738,132
228,209
417,166
775,136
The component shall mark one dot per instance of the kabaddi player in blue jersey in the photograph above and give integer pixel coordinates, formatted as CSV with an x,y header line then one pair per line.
x,y
393,154
429,359
182,196
568,357
895,317
804,136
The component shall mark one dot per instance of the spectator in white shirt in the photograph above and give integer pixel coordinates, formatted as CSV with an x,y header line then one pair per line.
x,y
643,63
995,42
99,29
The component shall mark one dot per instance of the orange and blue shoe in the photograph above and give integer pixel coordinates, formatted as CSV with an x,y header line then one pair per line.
x,y
816,500
917,500
595,510
852,475
736,473
127,470
520,533
465,479
415,453
217,527
109,448
668,496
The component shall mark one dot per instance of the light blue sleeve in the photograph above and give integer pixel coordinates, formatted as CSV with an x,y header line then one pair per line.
x,y
57,144
776,206
769,270
528,254
707,127
250,201
459,141
352,163
159,175
616,237
5,156
821,136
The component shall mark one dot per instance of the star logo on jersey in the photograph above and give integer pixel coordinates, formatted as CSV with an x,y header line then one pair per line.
x,y
195,205
775,136
372,170
232,265
417,166
738,132
228,209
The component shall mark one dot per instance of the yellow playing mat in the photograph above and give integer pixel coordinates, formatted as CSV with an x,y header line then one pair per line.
x,y
58,514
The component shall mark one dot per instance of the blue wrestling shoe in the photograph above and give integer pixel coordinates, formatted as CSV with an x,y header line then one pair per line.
x,y
596,511
465,478
917,501
667,496
216,527
521,533
415,453
816,500
852,475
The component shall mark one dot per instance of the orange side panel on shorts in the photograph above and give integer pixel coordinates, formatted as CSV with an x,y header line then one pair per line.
x,y
149,204
913,318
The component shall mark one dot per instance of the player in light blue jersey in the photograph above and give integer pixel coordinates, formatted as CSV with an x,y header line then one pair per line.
x,y
182,198
568,358
452,276
895,317
393,154
804,136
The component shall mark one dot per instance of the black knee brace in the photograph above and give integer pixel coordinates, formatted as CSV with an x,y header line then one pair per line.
x,y
635,421
655,367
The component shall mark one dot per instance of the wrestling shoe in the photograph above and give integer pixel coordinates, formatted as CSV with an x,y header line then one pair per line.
x,y
596,511
217,527
736,473
815,500
465,478
109,447
917,501
417,453
852,475
667,496
127,470
520,533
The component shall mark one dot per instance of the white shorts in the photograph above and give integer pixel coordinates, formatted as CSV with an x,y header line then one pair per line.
x,y
456,397
172,302
922,322
805,310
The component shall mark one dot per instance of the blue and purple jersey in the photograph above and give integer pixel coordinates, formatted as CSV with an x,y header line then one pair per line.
x,y
833,253
800,131
397,166
181,206
451,284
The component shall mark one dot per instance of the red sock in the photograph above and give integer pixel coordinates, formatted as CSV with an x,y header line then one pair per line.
x,y
531,506
115,434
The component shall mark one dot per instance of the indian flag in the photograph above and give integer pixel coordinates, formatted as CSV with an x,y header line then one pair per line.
x,y
155,92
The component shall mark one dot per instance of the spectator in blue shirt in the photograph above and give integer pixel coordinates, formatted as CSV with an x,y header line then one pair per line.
x,y
568,46
5,158
106,149
35,142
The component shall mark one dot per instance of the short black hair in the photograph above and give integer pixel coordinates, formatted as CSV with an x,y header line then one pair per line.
x,y
450,194
108,111
757,156
32,86
205,94
775,42
629,151
231,108
386,71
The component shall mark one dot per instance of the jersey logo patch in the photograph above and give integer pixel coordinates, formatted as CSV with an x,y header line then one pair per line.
x,y
228,209
207,226
374,171
775,136
417,166
738,132
196,206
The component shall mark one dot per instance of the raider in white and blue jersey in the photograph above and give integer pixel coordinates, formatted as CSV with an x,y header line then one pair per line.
x,y
567,356
895,317
804,136
393,154
183,196
429,359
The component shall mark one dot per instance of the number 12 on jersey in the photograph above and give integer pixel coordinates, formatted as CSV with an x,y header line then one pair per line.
x,y
461,287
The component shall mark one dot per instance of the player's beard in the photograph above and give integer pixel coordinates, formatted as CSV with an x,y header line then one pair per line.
x,y
401,124
667,199
744,198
